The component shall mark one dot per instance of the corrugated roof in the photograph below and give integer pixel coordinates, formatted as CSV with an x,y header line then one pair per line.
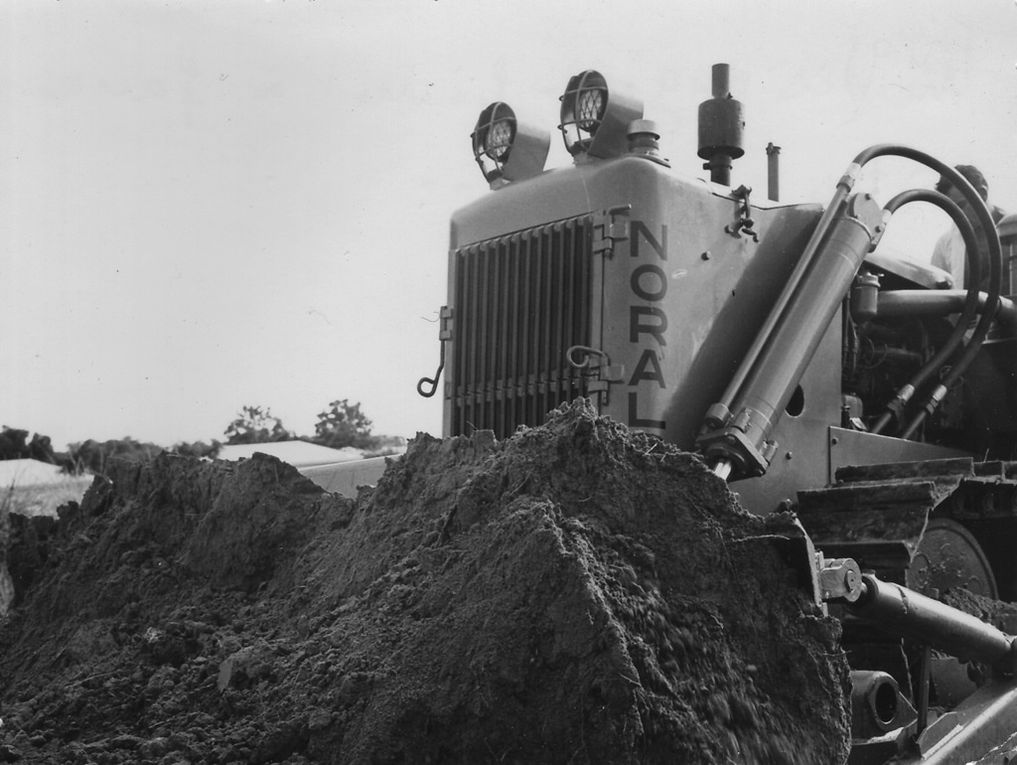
x,y
297,453
28,472
346,478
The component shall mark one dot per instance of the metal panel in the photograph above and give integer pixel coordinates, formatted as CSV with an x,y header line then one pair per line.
x,y
523,300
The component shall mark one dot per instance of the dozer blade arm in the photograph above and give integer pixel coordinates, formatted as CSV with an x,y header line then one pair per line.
x,y
988,717
909,614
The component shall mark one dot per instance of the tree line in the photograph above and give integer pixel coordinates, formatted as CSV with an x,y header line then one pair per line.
x,y
339,425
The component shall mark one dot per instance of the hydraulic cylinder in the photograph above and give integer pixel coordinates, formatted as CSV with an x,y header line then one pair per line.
x,y
739,436
910,614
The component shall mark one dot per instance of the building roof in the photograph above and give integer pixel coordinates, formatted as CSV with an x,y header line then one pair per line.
x,y
297,453
31,487
28,472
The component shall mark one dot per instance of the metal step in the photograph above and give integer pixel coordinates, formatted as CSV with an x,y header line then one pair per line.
x,y
877,514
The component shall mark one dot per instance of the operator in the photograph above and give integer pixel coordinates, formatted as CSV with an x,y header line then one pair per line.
x,y
949,251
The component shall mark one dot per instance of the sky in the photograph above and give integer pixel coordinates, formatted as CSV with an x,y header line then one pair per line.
x,y
205,205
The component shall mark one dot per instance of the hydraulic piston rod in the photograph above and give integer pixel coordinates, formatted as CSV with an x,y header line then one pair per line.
x,y
910,614
736,439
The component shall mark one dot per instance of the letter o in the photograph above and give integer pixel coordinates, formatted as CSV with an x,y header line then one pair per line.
x,y
646,294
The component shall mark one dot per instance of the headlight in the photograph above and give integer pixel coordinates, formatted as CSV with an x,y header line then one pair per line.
x,y
590,109
506,149
582,110
594,119
492,138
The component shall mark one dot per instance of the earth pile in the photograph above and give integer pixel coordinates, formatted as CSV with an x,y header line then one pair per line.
x,y
577,593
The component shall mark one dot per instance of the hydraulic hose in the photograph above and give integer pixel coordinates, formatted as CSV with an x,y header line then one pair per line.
x,y
971,349
971,306
956,180
988,226
736,429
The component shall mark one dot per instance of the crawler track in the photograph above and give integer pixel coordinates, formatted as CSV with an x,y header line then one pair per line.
x,y
927,524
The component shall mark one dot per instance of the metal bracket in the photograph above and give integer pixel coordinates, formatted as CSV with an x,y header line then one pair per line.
x,y
428,386
610,226
445,323
597,366
743,224
840,579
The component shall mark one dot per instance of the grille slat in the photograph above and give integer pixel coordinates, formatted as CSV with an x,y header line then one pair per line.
x,y
512,369
503,317
470,332
558,326
483,349
522,301
537,406
569,303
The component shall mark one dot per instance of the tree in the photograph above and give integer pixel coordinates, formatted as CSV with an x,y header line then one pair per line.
x,y
14,445
41,448
256,425
197,449
343,424
95,456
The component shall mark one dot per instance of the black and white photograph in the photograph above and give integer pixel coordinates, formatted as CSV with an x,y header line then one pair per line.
x,y
430,381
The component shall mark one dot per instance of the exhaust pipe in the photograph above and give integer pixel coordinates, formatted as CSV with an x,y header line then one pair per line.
x,y
720,128
773,172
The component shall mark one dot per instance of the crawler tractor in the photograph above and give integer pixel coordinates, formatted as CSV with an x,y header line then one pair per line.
x,y
814,373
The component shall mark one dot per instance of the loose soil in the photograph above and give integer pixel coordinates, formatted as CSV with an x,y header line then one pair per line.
x,y
576,593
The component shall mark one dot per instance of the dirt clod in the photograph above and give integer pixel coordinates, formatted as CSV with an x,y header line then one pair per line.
x,y
577,593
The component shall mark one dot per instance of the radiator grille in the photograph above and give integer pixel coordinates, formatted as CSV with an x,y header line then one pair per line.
x,y
520,302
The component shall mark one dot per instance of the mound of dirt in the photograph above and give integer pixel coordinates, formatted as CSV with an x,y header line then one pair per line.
x,y
577,593
6,582
998,613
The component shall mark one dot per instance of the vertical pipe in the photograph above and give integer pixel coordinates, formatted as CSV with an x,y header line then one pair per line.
x,y
773,172
721,80
720,128
720,169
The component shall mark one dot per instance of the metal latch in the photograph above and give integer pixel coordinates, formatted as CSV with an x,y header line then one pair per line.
x,y
610,226
597,367
742,226
428,386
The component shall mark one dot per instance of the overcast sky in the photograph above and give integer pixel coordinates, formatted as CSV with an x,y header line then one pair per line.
x,y
211,204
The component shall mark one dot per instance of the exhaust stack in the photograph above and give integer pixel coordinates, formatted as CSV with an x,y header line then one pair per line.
x,y
720,128
773,172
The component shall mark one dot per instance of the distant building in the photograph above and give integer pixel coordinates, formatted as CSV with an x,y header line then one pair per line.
x,y
31,487
299,454
28,472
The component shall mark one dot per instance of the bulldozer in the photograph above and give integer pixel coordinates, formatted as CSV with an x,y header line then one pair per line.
x,y
867,393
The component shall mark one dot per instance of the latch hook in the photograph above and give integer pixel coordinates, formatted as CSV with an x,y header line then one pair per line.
x,y
744,223
428,386
423,382
597,366
587,352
